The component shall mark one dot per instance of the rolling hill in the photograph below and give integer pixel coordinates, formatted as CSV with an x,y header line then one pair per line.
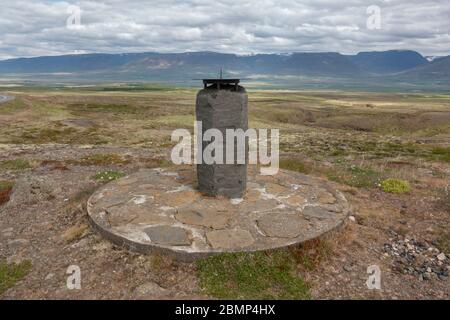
x,y
437,70
388,62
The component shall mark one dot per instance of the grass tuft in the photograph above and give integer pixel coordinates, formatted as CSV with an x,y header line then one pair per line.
x,y
354,176
75,233
441,154
103,159
258,275
16,164
156,163
10,274
6,185
443,244
294,165
395,186
310,254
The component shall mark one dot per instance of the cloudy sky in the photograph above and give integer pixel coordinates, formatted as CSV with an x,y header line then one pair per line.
x,y
51,27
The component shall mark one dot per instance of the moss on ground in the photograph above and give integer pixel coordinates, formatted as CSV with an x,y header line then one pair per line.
x,y
252,276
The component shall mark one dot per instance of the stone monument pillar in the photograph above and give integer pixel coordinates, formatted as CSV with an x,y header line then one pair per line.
x,y
222,104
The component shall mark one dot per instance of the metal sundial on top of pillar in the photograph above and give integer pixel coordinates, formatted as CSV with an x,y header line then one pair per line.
x,y
217,83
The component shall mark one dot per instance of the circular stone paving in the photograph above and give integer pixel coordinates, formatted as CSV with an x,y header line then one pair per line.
x,y
160,209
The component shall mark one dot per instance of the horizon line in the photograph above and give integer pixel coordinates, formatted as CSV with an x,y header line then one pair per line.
x,y
217,52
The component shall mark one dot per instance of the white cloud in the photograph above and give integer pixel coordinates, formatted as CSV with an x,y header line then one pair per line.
x,y
31,28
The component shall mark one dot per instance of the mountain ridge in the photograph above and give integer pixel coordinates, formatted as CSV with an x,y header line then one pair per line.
x,y
391,64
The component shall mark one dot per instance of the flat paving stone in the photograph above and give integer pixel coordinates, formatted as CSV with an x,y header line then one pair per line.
x,y
173,199
230,239
326,198
317,212
282,225
275,188
162,205
206,218
168,235
121,215
296,200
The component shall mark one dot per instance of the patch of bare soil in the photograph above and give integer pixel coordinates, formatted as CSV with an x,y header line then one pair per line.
x,y
4,195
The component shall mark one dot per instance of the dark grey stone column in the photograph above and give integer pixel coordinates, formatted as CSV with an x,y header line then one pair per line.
x,y
222,107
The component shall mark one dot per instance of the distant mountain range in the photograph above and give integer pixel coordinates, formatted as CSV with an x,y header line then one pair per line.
x,y
394,65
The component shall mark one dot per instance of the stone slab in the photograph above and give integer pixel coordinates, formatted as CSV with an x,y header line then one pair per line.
x,y
282,225
230,239
168,235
